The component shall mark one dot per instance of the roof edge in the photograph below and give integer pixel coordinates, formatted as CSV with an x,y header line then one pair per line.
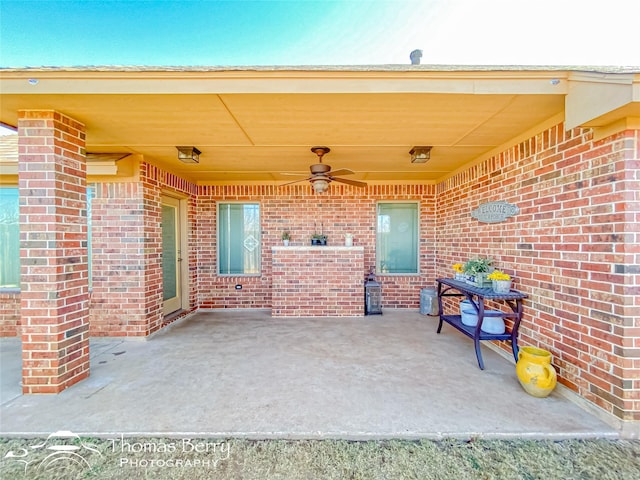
x,y
331,68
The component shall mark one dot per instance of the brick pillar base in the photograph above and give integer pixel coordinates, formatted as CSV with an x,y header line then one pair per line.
x,y
53,251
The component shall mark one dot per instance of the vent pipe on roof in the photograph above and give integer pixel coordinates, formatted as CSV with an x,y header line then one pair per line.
x,y
415,56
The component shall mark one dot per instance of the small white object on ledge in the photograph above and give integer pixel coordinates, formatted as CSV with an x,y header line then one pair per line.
x,y
348,240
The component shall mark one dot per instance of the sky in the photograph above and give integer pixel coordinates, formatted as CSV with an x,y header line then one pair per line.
x,y
348,32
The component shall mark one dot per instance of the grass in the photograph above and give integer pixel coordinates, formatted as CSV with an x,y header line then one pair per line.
x,y
172,458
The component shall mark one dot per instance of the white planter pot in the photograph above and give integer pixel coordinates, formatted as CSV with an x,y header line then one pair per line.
x,y
493,324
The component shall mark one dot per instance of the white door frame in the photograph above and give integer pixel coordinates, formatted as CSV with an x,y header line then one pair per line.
x,y
181,300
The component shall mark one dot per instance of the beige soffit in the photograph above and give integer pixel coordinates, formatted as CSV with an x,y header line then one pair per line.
x,y
253,124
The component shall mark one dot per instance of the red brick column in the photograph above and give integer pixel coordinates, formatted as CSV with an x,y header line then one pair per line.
x,y
53,251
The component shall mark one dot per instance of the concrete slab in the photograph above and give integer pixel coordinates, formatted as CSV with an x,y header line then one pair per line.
x,y
10,367
244,374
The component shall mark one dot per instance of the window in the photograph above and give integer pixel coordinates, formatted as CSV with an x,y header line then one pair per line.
x,y
9,238
239,239
90,194
397,238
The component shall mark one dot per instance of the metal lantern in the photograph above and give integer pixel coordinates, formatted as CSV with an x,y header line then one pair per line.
x,y
372,295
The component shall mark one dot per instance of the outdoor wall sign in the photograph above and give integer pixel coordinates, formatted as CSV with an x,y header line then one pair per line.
x,y
494,212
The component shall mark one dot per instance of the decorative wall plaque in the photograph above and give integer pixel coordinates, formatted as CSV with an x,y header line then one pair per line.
x,y
494,212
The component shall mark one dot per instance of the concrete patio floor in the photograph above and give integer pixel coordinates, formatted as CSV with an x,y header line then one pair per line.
x,y
244,374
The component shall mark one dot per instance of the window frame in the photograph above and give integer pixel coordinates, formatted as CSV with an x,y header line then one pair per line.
x,y
218,242
379,271
91,195
8,288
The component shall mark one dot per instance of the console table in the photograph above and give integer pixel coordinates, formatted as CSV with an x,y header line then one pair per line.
x,y
448,287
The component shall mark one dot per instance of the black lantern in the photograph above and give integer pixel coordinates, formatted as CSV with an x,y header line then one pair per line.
x,y
372,295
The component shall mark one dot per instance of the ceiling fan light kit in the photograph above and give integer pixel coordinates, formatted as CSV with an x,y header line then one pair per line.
x,y
319,185
322,176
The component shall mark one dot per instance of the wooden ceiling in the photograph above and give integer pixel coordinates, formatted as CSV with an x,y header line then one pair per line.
x,y
252,125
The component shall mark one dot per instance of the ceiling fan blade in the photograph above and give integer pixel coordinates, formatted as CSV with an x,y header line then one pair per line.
x,y
355,183
294,174
342,171
295,181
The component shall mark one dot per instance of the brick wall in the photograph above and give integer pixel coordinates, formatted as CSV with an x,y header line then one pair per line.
x,y
297,209
126,297
573,248
318,282
126,293
9,314
117,305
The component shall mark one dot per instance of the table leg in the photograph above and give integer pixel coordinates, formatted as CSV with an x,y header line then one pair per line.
x,y
516,327
476,342
440,311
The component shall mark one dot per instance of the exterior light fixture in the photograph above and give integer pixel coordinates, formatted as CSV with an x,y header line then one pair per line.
x,y
189,154
420,154
319,185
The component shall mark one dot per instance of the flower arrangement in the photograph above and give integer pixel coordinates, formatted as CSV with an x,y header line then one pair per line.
x,y
286,235
318,239
501,281
476,271
498,275
458,267
477,265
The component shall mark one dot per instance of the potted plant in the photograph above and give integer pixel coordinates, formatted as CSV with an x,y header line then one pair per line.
x,y
477,270
458,269
318,239
501,281
286,236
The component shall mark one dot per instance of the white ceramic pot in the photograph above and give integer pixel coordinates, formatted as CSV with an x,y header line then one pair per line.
x,y
468,314
493,325
348,240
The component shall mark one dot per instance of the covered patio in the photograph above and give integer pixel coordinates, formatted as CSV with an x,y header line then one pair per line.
x,y
117,233
243,373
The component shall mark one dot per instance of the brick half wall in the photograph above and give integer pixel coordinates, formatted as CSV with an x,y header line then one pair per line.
x,y
318,282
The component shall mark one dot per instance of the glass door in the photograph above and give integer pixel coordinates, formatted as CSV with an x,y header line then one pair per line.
x,y
171,255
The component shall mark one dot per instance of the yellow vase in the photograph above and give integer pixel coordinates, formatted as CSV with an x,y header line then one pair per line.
x,y
535,372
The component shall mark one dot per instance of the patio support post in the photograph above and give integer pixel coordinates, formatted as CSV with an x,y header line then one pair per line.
x,y
54,299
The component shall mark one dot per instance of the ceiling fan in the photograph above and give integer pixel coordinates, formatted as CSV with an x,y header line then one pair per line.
x,y
321,174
